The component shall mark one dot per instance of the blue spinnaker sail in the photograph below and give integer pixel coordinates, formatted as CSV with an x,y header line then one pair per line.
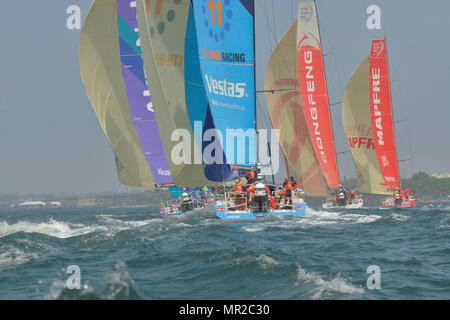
x,y
225,36
198,106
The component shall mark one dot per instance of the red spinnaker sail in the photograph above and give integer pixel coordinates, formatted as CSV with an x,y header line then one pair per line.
x,y
381,114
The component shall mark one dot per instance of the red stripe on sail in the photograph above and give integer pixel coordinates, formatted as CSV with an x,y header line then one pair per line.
x,y
381,114
315,107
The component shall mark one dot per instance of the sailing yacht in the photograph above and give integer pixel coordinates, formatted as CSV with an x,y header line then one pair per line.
x,y
314,98
115,77
369,127
227,64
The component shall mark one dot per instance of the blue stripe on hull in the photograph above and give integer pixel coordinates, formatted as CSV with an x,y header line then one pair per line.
x,y
236,215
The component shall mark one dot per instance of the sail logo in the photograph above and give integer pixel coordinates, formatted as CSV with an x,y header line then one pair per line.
x,y
225,88
378,48
384,161
311,91
376,102
306,12
359,142
231,57
163,172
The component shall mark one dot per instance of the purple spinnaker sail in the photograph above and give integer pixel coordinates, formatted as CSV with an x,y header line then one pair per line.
x,y
138,94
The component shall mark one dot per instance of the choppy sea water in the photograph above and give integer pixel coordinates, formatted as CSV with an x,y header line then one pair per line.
x,y
137,254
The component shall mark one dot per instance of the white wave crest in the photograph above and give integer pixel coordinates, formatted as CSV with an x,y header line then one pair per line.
x,y
336,285
399,217
51,228
445,223
254,229
264,261
14,257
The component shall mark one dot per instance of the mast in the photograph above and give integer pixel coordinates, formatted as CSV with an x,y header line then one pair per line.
x,y
393,116
326,88
254,81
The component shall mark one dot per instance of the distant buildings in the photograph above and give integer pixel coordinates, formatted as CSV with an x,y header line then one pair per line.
x,y
444,175
37,204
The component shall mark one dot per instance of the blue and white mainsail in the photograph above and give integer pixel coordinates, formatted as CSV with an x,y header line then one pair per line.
x,y
198,107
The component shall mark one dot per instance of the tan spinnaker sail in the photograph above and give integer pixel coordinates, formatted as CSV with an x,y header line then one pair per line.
x,y
102,77
357,125
286,114
162,30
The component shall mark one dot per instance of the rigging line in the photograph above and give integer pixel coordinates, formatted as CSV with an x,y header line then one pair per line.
x,y
274,41
292,14
327,93
265,115
287,67
273,16
275,90
338,73
267,19
402,110
396,144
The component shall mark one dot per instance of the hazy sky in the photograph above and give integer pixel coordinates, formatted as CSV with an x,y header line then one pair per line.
x,y
50,139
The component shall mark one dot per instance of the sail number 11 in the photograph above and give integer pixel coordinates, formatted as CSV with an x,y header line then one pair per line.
x,y
217,6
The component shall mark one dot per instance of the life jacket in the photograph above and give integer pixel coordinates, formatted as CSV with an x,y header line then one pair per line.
x,y
273,202
238,187
250,174
352,192
251,190
288,185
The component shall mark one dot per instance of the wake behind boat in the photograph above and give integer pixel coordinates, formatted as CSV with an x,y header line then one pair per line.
x,y
194,201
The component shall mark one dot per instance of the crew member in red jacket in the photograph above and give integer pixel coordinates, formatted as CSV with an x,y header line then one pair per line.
x,y
250,176
287,191
238,193
352,195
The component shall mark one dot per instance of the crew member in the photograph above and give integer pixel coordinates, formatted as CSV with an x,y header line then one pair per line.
x,y
352,195
261,197
238,193
288,191
273,202
294,183
250,176
251,193
341,196
397,200
186,202
407,193
205,193
334,198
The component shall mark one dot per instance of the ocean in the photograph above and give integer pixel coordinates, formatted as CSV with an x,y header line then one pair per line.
x,y
134,253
